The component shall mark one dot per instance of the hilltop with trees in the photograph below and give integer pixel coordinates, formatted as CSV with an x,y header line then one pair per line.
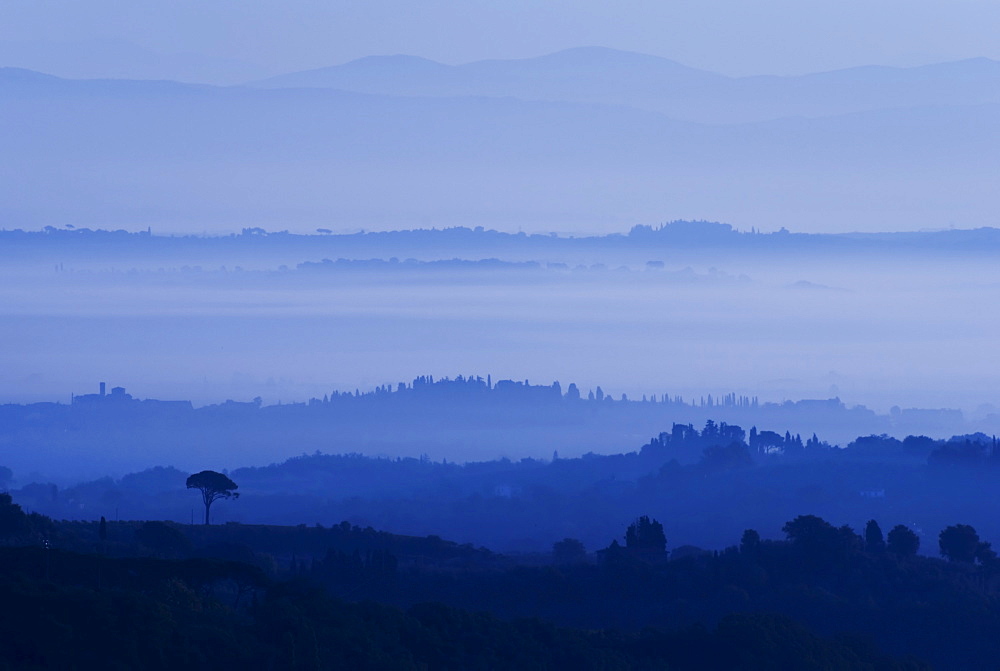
x,y
824,594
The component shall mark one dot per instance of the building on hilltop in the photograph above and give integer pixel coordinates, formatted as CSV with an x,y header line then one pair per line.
x,y
117,395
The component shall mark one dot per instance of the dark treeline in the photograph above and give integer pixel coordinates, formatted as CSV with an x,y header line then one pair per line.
x,y
679,234
832,579
159,595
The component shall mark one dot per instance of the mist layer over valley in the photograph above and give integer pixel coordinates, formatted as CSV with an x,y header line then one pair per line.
x,y
780,317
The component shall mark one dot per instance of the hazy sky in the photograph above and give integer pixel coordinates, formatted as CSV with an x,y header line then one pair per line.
x,y
731,36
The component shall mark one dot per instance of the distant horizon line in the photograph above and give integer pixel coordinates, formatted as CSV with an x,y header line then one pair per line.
x,y
537,56
350,232
630,52
731,399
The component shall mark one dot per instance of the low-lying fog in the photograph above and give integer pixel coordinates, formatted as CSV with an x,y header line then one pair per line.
x,y
914,329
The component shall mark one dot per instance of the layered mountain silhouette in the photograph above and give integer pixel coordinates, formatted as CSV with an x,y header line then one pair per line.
x,y
588,139
608,76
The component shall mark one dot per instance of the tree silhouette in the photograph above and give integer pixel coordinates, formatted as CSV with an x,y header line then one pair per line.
x,y
903,542
873,537
750,541
810,530
646,537
102,533
13,521
959,543
821,543
985,554
213,486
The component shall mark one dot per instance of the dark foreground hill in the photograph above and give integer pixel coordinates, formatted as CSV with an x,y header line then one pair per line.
x,y
189,620
824,598
124,608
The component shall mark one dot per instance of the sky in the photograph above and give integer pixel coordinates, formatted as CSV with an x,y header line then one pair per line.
x,y
733,37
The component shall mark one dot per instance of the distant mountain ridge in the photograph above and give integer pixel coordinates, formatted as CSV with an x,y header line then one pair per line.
x,y
609,76
110,153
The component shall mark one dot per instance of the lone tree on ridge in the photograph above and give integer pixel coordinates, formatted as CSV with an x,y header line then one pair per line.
x,y
213,486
